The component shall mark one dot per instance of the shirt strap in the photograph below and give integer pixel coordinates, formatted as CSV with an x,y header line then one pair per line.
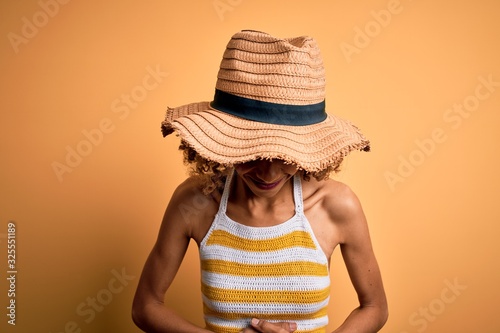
x,y
225,192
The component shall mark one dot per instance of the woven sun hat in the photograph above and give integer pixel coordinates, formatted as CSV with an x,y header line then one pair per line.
x,y
269,103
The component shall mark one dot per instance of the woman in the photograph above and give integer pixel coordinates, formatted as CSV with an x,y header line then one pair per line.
x,y
262,152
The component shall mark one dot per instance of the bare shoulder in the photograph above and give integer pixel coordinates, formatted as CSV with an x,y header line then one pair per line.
x,y
338,204
191,208
190,191
340,201
336,197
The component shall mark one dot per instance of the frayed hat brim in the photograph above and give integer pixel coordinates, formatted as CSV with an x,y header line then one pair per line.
x,y
230,140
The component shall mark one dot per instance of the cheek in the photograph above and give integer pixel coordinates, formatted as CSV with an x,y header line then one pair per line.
x,y
239,169
290,169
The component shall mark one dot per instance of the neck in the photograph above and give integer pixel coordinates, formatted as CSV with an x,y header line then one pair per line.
x,y
243,196
250,209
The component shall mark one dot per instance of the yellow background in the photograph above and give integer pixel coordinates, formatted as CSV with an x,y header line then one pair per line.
x,y
433,225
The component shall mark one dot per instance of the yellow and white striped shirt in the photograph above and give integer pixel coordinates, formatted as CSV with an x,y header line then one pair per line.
x,y
278,273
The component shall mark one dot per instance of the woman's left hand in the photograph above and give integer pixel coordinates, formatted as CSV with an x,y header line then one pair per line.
x,y
263,326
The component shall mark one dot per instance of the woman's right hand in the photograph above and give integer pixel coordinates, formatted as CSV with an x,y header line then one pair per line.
x,y
264,326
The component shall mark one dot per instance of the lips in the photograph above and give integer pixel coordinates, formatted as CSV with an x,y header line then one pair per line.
x,y
266,186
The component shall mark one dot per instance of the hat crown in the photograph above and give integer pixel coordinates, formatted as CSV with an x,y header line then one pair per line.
x,y
268,104
258,66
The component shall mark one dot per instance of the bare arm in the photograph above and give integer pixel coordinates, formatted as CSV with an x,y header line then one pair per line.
x,y
149,311
362,266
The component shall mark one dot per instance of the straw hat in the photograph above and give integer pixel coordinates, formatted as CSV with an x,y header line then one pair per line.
x,y
269,103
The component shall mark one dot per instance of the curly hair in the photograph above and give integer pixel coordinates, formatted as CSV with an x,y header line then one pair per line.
x,y
214,174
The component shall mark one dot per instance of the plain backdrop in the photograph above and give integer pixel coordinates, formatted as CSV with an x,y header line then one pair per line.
x,y
85,174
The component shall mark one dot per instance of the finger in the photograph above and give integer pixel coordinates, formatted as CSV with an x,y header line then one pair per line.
x,y
266,327
248,330
288,326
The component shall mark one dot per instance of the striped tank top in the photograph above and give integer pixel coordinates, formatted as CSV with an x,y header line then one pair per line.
x,y
277,273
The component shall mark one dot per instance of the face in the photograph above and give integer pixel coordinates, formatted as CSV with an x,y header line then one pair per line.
x,y
265,178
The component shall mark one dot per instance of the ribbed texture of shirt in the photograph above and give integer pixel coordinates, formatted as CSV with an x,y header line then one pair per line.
x,y
277,273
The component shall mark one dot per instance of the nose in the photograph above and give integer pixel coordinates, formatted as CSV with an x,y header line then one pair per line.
x,y
269,171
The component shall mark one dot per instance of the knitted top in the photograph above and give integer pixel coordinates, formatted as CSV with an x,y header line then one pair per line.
x,y
277,273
